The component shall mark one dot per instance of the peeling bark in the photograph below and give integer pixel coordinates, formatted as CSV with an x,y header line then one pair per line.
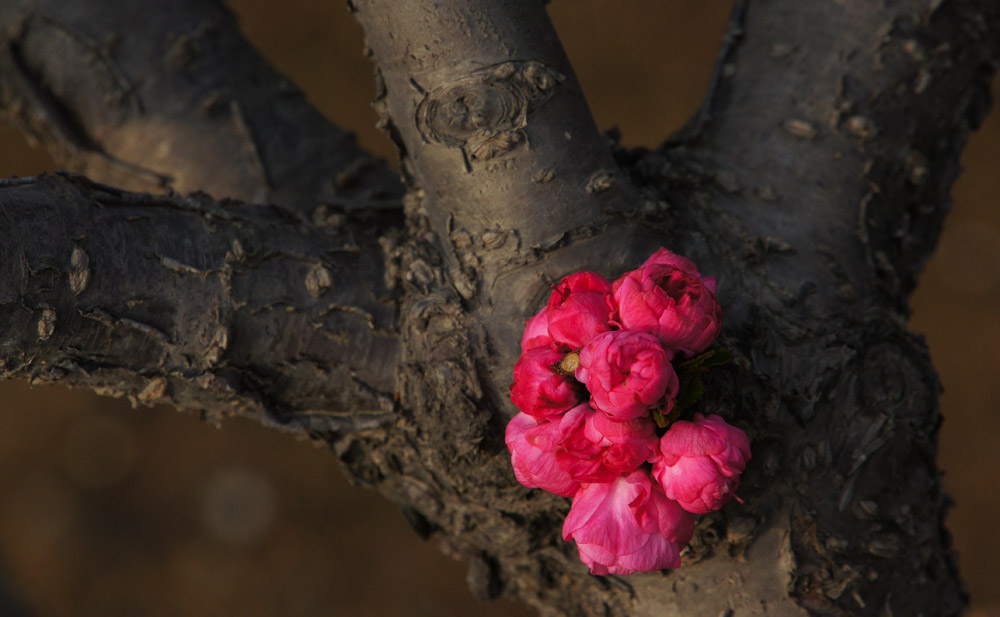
x,y
812,185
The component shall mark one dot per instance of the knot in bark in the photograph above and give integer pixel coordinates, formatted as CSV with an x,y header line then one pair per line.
x,y
485,111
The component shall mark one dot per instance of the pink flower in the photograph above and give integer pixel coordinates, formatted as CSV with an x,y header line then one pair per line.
x,y
532,446
668,298
626,374
536,332
593,448
664,257
701,462
627,525
579,309
539,389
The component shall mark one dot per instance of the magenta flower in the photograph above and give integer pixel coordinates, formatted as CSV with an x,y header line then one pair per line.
x,y
635,494
701,462
663,257
532,446
626,374
627,525
593,448
536,332
539,389
579,309
671,300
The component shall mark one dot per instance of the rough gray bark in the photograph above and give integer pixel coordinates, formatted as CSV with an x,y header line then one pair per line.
x,y
151,96
812,185
229,308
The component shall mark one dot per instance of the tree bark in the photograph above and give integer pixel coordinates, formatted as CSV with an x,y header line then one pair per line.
x,y
154,96
812,185
229,308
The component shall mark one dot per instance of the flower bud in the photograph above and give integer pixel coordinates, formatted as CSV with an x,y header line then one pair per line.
x,y
626,374
532,446
663,257
593,448
539,389
627,525
579,309
536,332
668,298
701,462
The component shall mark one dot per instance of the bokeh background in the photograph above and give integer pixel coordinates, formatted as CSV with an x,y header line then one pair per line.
x,y
108,510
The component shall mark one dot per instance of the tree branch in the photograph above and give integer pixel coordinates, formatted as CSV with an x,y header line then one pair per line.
x,y
512,173
843,504
489,118
223,307
174,98
814,192
836,130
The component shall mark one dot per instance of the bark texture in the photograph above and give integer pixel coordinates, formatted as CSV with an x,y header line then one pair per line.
x,y
229,308
154,96
812,185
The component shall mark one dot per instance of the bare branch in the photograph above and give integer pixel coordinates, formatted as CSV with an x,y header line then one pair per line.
x,y
841,401
491,122
223,307
512,173
773,195
155,95
814,191
836,129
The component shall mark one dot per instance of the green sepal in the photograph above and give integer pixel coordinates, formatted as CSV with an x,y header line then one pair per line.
x,y
659,418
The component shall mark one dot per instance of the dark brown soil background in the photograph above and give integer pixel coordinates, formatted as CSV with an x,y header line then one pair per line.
x,y
106,510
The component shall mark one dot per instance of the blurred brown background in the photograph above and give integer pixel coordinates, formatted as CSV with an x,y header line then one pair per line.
x,y
106,510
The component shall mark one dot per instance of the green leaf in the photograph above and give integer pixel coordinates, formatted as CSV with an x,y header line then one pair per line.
x,y
713,356
695,362
691,392
720,356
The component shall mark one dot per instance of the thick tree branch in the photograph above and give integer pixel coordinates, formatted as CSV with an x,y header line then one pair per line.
x,y
489,118
222,307
154,95
815,191
512,173
843,504
774,196
836,129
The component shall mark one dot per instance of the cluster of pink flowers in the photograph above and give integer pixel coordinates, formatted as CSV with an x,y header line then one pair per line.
x,y
596,368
